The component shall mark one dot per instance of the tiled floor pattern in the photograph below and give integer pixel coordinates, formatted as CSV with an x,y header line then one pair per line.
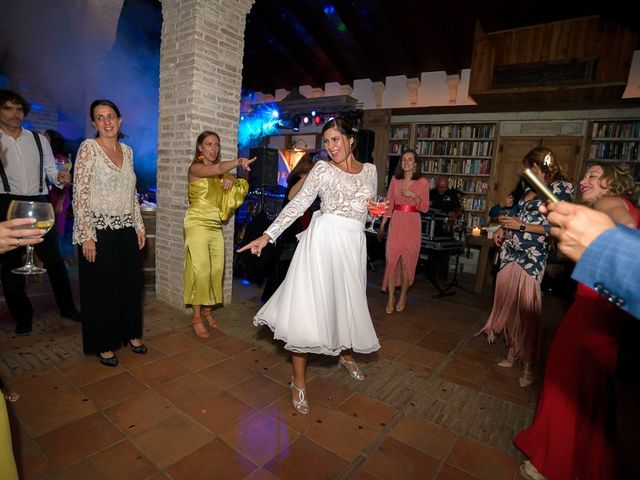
x,y
433,405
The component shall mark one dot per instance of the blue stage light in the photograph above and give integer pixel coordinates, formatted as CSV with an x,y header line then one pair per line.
x,y
263,120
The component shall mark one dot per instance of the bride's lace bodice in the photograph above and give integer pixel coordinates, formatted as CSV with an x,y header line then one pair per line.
x,y
341,193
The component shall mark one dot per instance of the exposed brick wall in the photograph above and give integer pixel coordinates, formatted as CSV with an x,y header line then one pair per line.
x,y
103,17
200,81
44,112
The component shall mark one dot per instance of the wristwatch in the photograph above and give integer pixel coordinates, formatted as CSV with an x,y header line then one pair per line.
x,y
522,227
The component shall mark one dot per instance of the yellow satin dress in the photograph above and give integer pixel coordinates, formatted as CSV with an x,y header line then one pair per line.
x,y
8,469
209,206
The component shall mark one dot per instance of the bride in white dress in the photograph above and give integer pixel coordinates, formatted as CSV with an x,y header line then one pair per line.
x,y
321,306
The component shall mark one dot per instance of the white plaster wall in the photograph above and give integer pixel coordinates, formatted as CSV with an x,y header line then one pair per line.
x,y
433,91
363,91
396,92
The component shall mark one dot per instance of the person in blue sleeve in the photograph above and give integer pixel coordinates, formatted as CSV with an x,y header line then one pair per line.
x,y
606,255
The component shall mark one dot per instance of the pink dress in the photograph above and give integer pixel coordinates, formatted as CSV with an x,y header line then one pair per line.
x,y
404,236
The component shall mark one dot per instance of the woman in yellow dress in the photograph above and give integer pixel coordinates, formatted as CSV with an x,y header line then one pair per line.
x,y
8,469
212,197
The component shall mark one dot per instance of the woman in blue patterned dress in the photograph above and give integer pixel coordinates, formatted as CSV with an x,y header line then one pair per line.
x,y
517,302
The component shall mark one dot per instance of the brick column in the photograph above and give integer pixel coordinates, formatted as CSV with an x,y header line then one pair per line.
x,y
200,81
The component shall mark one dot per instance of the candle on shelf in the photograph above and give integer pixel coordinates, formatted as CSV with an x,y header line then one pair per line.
x,y
475,232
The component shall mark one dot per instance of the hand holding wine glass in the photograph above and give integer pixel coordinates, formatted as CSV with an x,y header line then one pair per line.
x,y
15,233
64,170
377,206
42,213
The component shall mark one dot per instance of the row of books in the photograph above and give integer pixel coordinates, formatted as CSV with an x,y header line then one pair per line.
x,y
616,130
397,148
472,220
464,185
454,148
469,166
473,203
455,131
399,133
615,150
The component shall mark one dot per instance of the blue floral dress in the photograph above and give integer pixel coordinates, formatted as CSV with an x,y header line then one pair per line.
x,y
530,250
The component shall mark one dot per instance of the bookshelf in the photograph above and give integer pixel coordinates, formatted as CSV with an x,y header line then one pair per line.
x,y
399,141
617,142
465,153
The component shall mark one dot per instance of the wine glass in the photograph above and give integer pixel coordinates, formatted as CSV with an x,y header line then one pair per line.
x,y
64,165
67,165
43,214
506,212
377,206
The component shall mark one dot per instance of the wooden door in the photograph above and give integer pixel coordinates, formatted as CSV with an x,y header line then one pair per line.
x,y
566,150
513,149
511,153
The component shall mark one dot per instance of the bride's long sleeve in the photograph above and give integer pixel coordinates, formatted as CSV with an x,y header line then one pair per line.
x,y
299,204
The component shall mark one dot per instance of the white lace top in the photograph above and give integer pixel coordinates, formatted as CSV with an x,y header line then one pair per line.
x,y
104,196
341,193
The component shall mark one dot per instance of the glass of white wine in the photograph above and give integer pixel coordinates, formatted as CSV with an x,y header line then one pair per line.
x,y
44,216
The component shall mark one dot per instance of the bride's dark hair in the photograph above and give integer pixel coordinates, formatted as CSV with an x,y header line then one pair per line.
x,y
344,127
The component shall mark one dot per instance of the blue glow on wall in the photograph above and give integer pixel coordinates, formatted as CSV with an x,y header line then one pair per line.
x,y
262,120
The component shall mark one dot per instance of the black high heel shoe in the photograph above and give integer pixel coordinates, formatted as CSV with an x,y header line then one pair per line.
x,y
108,362
140,349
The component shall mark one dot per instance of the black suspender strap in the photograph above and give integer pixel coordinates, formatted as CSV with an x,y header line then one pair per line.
x,y
3,177
39,145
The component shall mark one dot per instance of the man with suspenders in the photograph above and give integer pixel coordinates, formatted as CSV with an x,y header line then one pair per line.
x,y
25,160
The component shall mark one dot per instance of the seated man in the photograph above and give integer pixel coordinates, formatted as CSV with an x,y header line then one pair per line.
x,y
446,201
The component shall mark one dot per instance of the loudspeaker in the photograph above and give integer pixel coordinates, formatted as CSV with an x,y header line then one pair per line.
x,y
264,171
365,140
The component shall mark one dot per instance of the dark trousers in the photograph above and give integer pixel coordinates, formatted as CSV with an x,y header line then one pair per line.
x,y
110,291
51,255
438,265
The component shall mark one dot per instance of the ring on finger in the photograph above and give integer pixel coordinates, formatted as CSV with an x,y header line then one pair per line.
x,y
17,242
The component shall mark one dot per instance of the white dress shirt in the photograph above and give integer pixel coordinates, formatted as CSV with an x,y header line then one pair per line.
x,y
21,161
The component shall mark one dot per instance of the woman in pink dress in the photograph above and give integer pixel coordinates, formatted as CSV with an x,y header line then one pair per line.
x,y
408,195
574,427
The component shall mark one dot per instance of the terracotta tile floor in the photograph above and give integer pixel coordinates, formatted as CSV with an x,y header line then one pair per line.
x,y
433,405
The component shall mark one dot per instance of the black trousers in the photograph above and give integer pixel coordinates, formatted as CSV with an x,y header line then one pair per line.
x,y
110,291
51,255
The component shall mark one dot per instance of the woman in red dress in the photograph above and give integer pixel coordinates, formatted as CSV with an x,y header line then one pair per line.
x,y
572,434
408,195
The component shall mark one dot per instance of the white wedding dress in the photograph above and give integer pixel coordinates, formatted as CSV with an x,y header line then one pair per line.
x,y
321,306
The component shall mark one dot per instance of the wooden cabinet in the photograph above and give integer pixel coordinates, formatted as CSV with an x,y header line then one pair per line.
x,y
465,153
616,141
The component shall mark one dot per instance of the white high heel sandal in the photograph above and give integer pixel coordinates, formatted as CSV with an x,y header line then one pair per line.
x,y
352,368
301,405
